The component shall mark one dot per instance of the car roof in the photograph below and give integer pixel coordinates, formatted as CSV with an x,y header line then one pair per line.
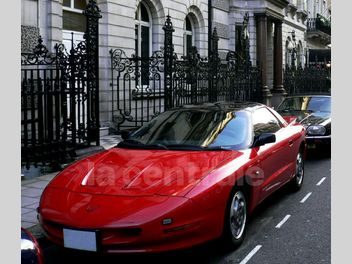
x,y
222,106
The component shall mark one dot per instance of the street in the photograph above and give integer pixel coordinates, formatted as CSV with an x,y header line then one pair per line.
x,y
286,228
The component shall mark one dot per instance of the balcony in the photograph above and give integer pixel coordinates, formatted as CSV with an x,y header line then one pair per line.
x,y
319,30
319,23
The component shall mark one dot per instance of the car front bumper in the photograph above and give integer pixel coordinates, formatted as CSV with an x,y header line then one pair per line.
x,y
135,228
314,141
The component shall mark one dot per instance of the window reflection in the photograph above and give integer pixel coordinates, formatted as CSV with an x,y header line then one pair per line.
x,y
197,127
265,122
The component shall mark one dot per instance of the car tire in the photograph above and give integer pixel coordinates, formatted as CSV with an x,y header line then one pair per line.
x,y
235,218
297,181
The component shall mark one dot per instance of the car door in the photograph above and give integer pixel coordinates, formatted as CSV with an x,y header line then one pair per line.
x,y
273,158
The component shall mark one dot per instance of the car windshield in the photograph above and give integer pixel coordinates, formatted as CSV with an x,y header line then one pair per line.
x,y
199,129
306,103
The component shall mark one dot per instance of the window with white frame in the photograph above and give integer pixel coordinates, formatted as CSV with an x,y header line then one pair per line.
x,y
73,21
143,31
72,16
300,55
302,5
188,37
288,50
143,41
238,37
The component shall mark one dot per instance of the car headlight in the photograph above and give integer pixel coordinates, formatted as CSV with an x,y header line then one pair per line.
x,y
316,130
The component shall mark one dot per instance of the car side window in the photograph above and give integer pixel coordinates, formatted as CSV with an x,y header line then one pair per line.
x,y
265,122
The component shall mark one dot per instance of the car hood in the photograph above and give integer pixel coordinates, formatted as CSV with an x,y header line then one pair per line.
x,y
317,118
131,172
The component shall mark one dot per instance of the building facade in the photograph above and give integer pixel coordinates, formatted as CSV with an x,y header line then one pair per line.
x,y
319,32
276,30
294,33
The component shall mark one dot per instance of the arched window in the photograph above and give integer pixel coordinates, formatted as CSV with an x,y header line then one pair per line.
x,y
143,31
299,55
288,49
188,38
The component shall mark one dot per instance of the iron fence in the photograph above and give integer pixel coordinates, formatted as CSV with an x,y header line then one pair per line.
x,y
59,97
308,80
142,88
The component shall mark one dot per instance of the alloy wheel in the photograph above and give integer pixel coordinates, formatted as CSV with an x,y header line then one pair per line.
x,y
299,169
238,215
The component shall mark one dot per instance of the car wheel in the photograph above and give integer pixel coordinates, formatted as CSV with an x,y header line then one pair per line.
x,y
236,218
297,180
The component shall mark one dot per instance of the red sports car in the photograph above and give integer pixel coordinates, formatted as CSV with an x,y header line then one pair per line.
x,y
190,175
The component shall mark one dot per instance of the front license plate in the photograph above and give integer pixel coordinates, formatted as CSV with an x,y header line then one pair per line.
x,y
83,240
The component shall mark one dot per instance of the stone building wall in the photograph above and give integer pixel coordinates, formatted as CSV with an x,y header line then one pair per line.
x,y
29,25
295,20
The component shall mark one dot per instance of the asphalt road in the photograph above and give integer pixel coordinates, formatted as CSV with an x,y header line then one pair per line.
x,y
286,228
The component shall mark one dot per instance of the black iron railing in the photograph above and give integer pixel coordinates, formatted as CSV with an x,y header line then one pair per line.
x,y
141,88
319,23
59,97
309,80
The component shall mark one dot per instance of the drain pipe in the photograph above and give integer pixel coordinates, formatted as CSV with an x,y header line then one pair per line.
x,y
209,26
210,81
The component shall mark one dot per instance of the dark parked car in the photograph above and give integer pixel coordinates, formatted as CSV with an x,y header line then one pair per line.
x,y
313,112
30,250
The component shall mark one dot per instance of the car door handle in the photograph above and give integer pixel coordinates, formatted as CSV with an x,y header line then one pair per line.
x,y
290,143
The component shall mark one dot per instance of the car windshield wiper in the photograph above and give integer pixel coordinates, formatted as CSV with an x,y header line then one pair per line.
x,y
194,147
131,143
184,147
135,144
218,148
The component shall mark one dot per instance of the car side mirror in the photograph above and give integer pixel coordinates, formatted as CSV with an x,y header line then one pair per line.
x,y
263,139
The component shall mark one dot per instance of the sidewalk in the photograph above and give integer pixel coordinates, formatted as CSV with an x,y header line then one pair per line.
x,y
32,189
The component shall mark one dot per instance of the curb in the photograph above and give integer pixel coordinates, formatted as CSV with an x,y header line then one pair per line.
x,y
38,233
